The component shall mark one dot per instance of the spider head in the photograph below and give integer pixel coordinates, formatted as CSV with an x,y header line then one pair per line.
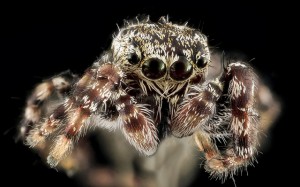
x,y
162,54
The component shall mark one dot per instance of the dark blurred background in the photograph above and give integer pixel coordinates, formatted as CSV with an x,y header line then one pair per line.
x,y
39,40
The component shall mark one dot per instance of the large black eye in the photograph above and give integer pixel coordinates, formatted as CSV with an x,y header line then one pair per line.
x,y
181,69
133,58
154,68
201,62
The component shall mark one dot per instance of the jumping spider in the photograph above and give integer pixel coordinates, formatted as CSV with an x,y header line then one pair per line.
x,y
152,83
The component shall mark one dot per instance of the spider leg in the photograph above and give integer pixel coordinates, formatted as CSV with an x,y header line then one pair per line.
x,y
97,99
242,92
242,120
38,104
219,164
66,123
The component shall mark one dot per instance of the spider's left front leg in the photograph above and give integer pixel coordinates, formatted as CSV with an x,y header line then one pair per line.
x,y
240,88
242,92
216,110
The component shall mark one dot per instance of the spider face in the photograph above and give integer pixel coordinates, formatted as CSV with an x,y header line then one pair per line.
x,y
161,55
151,83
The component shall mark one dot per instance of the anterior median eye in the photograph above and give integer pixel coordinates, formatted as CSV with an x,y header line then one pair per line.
x,y
154,68
133,58
201,62
181,70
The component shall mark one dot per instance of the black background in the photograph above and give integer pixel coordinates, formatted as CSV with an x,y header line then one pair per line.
x,y
39,40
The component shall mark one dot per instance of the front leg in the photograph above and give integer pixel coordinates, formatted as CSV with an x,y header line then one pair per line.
x,y
70,119
241,120
97,99
242,93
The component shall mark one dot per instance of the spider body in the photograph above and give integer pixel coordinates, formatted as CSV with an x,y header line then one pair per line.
x,y
152,83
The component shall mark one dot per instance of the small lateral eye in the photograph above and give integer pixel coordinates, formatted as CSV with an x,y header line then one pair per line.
x,y
133,58
201,62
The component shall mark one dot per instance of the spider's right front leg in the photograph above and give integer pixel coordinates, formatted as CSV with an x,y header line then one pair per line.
x,y
68,121
94,96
